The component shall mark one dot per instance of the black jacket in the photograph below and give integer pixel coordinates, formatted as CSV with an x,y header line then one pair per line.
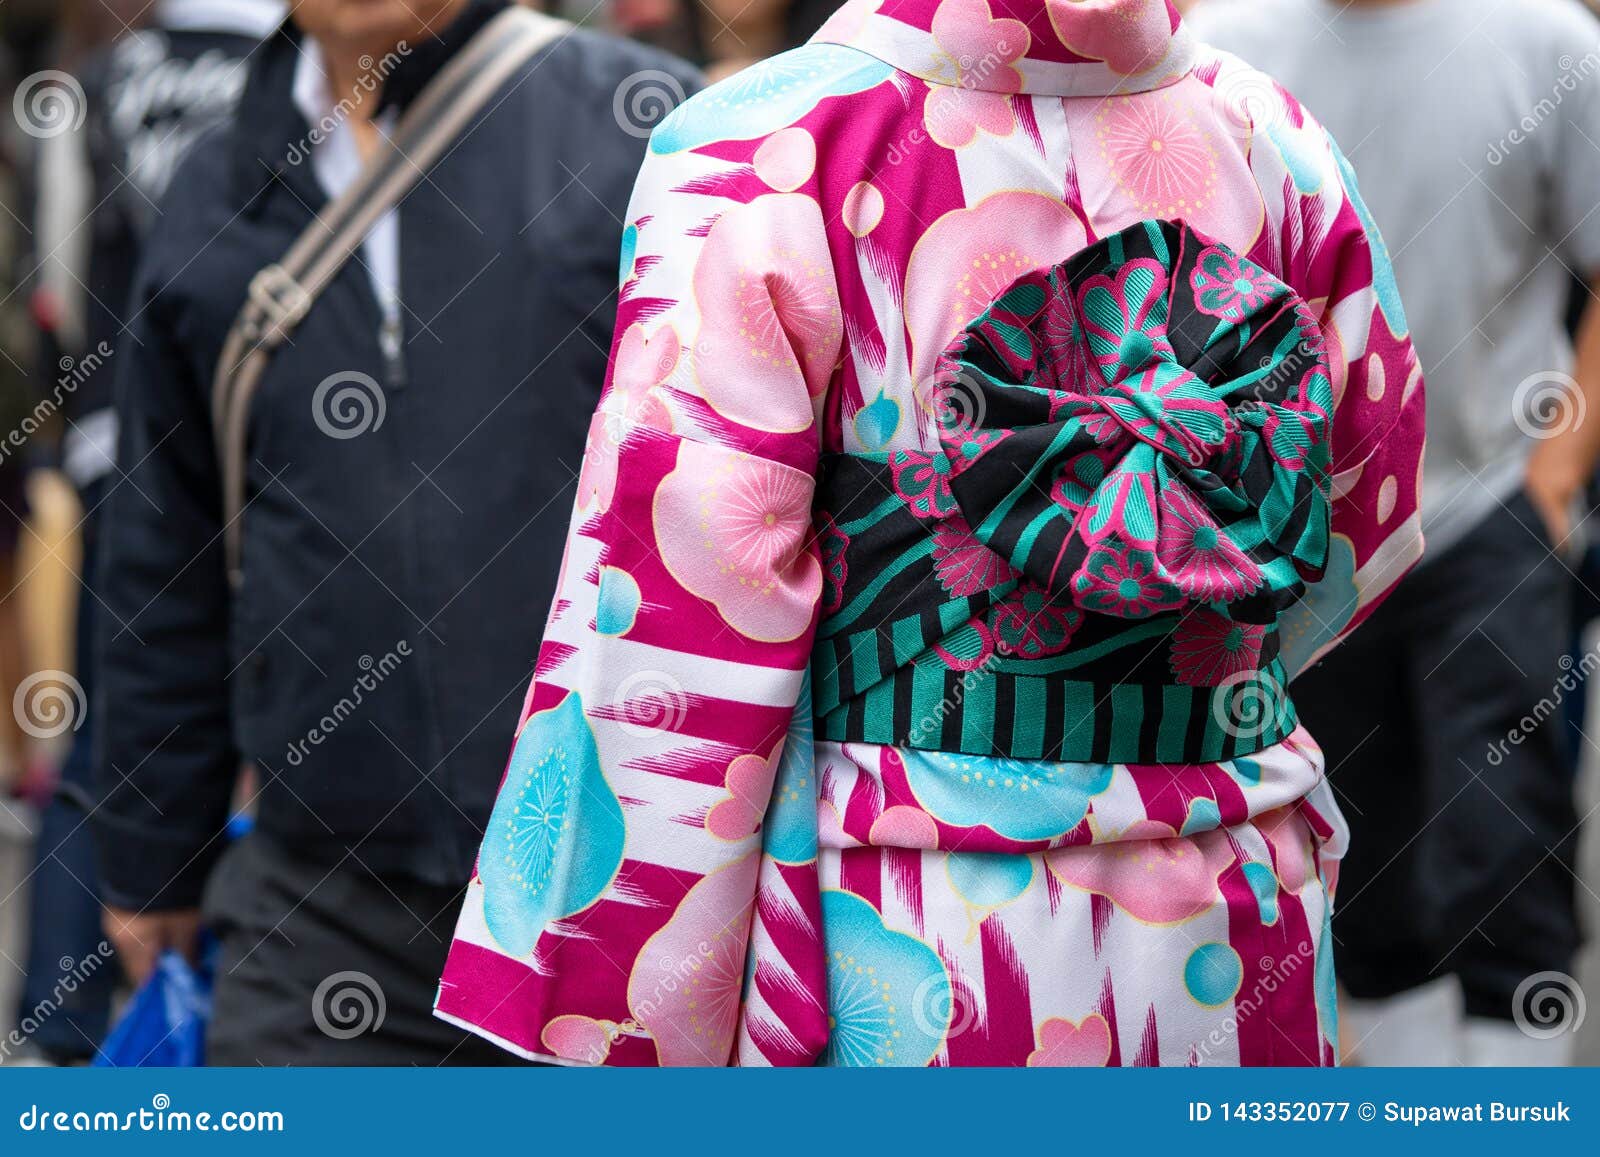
x,y
396,582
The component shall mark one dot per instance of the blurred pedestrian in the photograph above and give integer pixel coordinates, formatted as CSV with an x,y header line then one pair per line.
x,y
146,97
1474,126
341,619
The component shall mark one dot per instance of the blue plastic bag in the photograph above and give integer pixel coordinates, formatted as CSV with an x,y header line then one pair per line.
x,y
164,1025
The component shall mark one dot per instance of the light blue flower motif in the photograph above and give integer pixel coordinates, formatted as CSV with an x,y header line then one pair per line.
x,y
1020,799
1326,986
789,832
989,880
1204,816
768,96
1383,279
1297,148
630,252
889,994
531,870
1327,607
1264,883
1213,973
617,604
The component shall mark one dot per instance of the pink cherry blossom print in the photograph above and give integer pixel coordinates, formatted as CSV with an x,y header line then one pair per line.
x,y
643,361
968,257
1063,1044
749,785
1151,873
579,1038
954,116
786,159
685,983
1131,36
732,529
980,50
768,340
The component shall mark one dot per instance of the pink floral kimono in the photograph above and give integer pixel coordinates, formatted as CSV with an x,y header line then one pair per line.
x,y
1008,398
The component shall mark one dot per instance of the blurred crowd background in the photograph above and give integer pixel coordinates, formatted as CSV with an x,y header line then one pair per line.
x,y
46,335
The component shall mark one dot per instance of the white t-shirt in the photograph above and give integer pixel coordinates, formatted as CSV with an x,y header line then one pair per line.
x,y
1474,129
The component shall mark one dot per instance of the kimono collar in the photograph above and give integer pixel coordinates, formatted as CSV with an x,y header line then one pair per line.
x,y
1046,47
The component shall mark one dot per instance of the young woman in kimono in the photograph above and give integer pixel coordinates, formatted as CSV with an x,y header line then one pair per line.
x,y
1008,397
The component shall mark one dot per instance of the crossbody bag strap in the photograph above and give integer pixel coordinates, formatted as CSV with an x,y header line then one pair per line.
x,y
283,293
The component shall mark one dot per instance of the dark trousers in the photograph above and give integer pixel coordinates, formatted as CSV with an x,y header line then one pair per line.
x,y
1442,722
329,965
64,928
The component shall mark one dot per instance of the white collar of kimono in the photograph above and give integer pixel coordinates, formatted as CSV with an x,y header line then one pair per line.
x,y
1046,47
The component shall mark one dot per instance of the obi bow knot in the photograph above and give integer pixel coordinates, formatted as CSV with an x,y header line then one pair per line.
x,y
1143,427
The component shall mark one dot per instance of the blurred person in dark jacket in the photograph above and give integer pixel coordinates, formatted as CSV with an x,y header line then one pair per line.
x,y
146,97
439,389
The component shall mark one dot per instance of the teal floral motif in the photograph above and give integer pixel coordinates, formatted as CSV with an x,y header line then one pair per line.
x,y
1125,319
923,480
768,96
1020,799
1028,624
1125,584
789,832
532,873
889,994
1231,287
1327,608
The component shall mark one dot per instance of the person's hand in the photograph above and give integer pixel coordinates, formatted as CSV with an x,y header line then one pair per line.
x,y
141,937
1553,491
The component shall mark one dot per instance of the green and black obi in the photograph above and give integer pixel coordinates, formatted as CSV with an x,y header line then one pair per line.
x,y
1130,484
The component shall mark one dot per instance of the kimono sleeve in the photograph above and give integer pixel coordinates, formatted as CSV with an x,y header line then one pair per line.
x,y
609,915
1335,256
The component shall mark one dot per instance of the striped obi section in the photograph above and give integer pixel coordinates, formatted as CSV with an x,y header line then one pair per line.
x,y
902,659
1129,483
